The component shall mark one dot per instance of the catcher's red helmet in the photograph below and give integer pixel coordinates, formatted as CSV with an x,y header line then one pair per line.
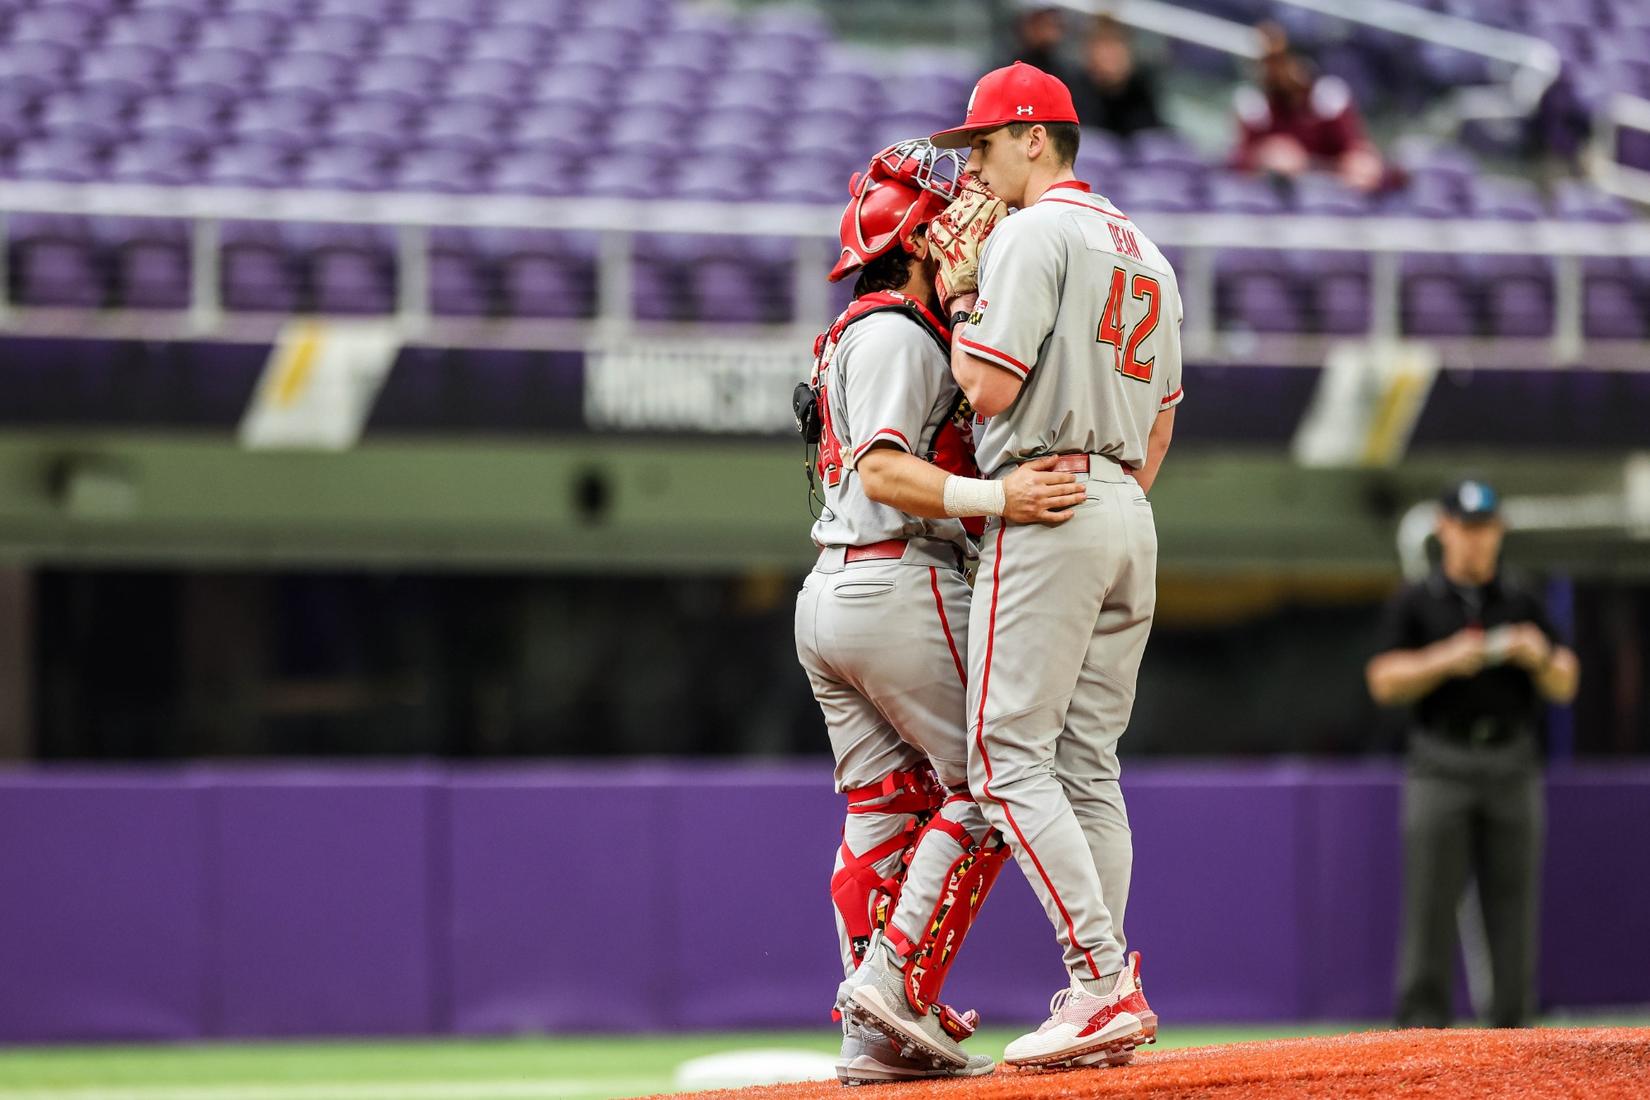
x,y
904,187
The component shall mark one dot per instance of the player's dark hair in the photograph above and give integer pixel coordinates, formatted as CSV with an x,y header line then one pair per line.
x,y
1063,135
889,271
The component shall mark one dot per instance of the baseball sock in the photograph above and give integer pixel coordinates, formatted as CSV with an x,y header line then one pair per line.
x,y
1100,986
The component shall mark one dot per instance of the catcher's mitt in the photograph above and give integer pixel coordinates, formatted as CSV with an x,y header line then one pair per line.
x,y
958,234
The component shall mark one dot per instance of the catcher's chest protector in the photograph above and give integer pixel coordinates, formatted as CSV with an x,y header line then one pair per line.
x,y
951,449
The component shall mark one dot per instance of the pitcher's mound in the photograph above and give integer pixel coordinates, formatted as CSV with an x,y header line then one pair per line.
x,y
1459,1065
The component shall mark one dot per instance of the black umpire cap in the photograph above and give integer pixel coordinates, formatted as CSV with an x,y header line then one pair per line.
x,y
1471,501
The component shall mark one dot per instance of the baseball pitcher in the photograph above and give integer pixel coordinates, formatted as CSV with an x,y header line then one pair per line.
x,y
1068,344
882,620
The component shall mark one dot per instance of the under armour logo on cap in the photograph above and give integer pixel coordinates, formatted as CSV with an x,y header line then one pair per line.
x,y
1024,110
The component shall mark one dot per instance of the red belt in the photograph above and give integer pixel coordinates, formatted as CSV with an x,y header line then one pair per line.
x,y
1079,464
876,551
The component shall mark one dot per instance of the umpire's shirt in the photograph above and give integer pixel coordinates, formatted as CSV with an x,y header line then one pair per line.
x,y
1497,705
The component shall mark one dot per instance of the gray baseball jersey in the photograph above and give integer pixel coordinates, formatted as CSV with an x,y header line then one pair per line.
x,y
1078,302
890,382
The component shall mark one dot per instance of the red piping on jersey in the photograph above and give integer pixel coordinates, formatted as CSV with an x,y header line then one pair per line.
x,y
906,443
1007,360
1090,207
1075,185
1173,396
979,741
945,625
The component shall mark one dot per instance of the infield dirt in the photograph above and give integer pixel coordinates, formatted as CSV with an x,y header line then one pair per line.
x,y
1538,1064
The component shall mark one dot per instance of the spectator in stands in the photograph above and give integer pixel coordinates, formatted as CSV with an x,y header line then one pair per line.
x,y
1474,655
1114,93
1297,121
1039,32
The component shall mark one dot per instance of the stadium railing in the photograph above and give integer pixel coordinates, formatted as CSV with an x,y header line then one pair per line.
x,y
619,222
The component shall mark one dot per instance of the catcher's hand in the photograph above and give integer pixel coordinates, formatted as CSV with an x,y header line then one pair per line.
x,y
957,236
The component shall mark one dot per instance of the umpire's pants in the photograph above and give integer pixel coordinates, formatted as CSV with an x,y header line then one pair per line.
x,y
1477,811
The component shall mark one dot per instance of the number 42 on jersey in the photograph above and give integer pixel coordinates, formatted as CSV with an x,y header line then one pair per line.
x,y
1126,341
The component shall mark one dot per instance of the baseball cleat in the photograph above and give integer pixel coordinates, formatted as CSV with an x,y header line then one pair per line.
x,y
874,997
871,1058
1085,1029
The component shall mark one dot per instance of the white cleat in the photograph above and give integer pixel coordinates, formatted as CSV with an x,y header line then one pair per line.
x,y
1084,1029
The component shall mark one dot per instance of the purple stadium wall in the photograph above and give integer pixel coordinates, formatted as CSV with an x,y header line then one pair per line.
x,y
237,901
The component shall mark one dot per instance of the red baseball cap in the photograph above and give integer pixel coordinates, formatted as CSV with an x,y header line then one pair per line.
x,y
1016,93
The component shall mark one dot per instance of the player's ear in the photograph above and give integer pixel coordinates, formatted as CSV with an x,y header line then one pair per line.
x,y
917,246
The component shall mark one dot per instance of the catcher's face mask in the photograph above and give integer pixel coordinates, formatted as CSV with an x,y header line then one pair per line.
x,y
904,187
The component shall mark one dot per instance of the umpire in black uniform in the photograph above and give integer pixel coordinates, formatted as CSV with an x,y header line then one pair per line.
x,y
1473,654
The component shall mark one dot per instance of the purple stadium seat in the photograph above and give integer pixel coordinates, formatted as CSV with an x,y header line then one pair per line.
x,y
1230,193
472,125
157,27
729,134
1505,199
346,168
222,73
1437,305
449,170
321,76
1611,310
411,79
552,14
123,70
287,9
623,15
803,182
668,87
379,12
588,83
251,32
287,120
546,275
461,280
467,12
192,7
498,83
66,24
55,262
377,124
521,43
1341,302
96,117
18,115
187,120
248,165
1520,307
730,292
151,261
743,89
824,131
1326,195
65,160
547,128
1163,149
438,40
640,175
34,68
257,274
714,180
1099,155
703,49
537,173
162,161
610,46
1261,302
645,130
347,36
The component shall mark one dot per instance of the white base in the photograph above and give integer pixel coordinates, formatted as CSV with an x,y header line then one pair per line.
x,y
738,1068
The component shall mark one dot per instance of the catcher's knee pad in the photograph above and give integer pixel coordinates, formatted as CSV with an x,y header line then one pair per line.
x,y
865,896
967,882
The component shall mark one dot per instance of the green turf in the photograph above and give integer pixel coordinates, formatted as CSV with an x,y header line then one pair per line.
x,y
563,1068
589,1068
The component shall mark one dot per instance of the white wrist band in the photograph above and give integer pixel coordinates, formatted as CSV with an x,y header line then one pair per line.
x,y
974,496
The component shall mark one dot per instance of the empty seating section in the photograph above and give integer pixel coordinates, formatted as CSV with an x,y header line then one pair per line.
x,y
645,99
